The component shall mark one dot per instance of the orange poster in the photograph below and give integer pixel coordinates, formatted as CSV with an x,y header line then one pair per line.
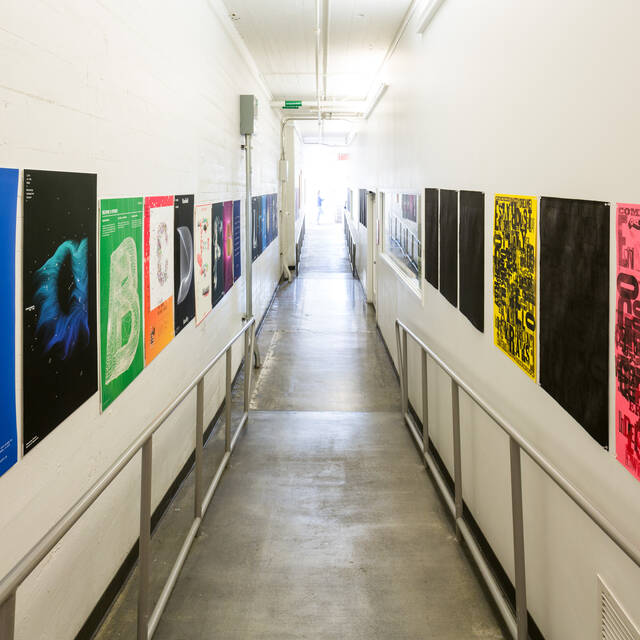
x,y
158,275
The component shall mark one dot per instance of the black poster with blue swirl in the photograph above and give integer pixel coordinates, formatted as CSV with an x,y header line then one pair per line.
x,y
60,367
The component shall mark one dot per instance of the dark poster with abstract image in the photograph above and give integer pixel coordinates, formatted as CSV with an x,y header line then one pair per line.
x,y
59,298
255,231
472,257
237,239
217,248
264,222
431,256
8,427
184,292
449,245
228,245
574,309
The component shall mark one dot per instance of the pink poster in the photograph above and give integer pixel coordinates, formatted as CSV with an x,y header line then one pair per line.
x,y
627,340
227,219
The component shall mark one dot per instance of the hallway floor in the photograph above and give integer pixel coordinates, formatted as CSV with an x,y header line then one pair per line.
x,y
325,524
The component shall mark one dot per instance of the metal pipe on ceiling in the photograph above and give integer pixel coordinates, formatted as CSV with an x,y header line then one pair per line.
x,y
318,44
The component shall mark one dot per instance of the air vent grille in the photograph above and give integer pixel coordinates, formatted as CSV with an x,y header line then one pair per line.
x,y
615,623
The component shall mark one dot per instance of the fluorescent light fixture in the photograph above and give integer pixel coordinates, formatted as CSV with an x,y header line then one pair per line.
x,y
376,98
428,14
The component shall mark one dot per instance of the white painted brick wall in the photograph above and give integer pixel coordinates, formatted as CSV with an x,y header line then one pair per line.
x,y
145,94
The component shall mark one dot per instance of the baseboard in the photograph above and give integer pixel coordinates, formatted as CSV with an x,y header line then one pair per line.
x,y
495,565
104,604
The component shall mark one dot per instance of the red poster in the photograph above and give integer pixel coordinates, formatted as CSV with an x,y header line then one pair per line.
x,y
227,218
158,275
627,340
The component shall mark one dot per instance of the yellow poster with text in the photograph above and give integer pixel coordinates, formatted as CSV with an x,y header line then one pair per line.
x,y
514,279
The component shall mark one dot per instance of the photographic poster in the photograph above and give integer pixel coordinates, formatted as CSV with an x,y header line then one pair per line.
x,y
121,341
431,255
574,309
255,234
627,337
514,279
8,426
217,257
202,266
472,257
237,240
449,245
264,221
227,218
60,348
158,275
183,289
410,207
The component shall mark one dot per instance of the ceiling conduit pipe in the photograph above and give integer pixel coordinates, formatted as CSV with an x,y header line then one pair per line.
x,y
318,38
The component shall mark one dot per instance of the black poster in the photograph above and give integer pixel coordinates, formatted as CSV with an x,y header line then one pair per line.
x,y
237,239
574,309
472,257
184,292
255,232
59,299
449,245
431,236
363,206
217,248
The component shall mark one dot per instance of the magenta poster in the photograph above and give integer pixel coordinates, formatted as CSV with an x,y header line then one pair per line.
x,y
227,220
627,338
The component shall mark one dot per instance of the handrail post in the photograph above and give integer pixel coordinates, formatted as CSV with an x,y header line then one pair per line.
x,y
227,403
518,539
425,403
405,375
401,368
197,511
457,453
8,617
144,564
248,350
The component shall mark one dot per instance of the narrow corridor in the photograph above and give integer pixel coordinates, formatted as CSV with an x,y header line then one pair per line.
x,y
325,524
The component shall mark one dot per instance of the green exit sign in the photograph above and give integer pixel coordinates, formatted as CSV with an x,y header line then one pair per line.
x,y
292,104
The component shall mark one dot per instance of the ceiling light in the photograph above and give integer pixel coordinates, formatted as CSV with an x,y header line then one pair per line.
x,y
428,14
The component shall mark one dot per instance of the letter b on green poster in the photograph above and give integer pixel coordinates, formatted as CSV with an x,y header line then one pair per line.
x,y
121,343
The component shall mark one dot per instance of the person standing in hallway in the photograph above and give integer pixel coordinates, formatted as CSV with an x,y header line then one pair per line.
x,y
320,201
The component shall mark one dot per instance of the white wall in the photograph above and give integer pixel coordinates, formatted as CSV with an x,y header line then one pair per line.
x,y
533,98
145,94
290,226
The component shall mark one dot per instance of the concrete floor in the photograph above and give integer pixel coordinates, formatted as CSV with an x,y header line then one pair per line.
x,y
325,524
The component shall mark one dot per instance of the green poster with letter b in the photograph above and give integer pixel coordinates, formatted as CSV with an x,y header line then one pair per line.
x,y
121,343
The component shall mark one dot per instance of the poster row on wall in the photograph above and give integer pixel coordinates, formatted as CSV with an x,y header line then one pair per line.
x,y
573,290
163,261
264,210
454,249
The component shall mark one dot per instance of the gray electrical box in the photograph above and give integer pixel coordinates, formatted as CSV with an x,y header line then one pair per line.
x,y
248,114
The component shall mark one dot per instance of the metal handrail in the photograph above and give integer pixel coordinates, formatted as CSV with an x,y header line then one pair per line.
x,y
517,624
147,622
351,245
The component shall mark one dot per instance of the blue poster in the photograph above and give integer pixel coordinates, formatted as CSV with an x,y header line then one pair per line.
x,y
8,432
264,219
237,239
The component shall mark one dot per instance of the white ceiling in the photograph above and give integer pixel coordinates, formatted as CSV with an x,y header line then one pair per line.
x,y
281,36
